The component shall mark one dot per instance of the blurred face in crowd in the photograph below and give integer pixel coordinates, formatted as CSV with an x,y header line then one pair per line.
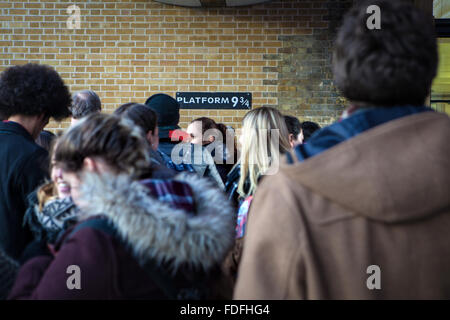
x,y
295,141
62,186
73,182
195,132
74,179
42,123
300,137
153,138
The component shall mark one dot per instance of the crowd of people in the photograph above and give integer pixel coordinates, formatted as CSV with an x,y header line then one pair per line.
x,y
146,210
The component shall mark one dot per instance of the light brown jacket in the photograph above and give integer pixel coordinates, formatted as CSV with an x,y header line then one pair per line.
x,y
381,198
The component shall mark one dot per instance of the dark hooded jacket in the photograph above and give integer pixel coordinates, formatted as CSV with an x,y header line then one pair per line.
x,y
187,245
23,167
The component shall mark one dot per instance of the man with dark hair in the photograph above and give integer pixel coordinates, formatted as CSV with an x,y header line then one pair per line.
x,y
84,103
367,216
295,130
308,128
29,96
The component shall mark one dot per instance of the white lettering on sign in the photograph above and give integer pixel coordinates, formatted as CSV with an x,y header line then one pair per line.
x,y
215,100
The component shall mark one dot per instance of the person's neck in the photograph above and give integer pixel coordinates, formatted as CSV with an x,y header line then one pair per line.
x,y
29,123
353,107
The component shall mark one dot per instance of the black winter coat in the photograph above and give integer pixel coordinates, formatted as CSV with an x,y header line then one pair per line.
x,y
23,167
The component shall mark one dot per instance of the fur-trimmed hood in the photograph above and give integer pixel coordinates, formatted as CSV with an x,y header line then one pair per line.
x,y
155,230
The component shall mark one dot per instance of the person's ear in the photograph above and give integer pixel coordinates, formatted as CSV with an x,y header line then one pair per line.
x,y
41,117
153,139
90,165
291,140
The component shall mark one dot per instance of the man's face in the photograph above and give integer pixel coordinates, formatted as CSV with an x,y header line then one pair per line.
x,y
62,186
295,141
41,122
73,182
300,137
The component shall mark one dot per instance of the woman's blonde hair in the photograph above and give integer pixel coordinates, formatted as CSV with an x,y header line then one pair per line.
x,y
265,137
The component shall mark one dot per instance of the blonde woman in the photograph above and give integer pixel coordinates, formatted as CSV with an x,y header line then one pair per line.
x,y
264,138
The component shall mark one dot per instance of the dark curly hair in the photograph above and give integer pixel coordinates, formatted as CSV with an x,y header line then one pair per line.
x,y
391,66
33,89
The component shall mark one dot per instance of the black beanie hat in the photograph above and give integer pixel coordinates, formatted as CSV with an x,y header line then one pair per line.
x,y
168,111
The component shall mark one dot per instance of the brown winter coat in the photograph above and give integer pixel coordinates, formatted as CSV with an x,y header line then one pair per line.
x,y
381,198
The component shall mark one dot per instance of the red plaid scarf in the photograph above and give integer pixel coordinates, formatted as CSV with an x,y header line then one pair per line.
x,y
178,195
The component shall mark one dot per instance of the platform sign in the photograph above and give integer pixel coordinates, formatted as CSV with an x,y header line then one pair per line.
x,y
215,100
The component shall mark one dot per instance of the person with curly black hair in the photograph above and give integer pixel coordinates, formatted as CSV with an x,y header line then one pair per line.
x,y
30,95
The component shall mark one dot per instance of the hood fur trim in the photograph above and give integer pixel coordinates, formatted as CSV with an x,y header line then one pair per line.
x,y
153,229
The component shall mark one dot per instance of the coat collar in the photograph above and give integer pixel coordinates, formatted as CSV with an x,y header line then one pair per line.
x,y
394,172
356,123
156,231
16,128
